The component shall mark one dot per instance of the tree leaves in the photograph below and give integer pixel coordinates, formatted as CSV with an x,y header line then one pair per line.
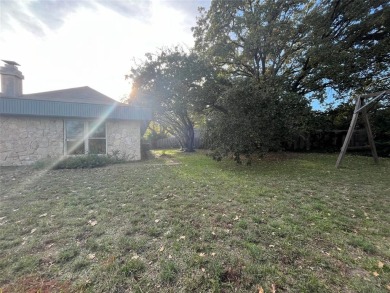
x,y
307,45
173,83
257,119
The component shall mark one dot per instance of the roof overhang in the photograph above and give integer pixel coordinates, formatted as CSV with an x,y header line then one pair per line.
x,y
27,107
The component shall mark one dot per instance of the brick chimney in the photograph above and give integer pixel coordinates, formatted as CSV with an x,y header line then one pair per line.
x,y
11,80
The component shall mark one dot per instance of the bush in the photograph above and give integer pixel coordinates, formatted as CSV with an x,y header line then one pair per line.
x,y
260,122
42,164
80,162
145,150
89,161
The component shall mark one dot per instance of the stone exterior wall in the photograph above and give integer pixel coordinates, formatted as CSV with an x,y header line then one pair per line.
x,y
124,137
24,140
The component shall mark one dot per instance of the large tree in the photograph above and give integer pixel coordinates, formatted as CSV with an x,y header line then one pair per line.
x,y
253,44
350,47
306,45
310,45
256,39
276,54
174,84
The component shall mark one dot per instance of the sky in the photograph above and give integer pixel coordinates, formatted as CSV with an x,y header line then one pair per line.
x,y
63,44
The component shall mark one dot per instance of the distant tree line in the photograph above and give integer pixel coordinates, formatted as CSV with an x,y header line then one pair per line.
x,y
256,66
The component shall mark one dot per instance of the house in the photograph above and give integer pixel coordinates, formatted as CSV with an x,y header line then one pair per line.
x,y
63,123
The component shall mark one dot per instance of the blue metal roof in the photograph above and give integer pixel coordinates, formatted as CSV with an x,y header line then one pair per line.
x,y
28,107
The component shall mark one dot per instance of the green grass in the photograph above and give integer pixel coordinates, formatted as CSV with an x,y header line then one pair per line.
x,y
186,223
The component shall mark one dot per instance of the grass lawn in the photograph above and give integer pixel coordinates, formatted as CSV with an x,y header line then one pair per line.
x,y
186,223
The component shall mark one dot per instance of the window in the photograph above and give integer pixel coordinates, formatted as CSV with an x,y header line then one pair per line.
x,y
97,138
85,137
75,137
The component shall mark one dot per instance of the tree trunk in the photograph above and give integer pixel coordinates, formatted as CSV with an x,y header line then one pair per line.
x,y
190,138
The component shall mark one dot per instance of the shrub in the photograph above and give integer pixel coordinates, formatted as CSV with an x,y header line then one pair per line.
x,y
117,157
42,164
262,121
80,162
145,150
89,161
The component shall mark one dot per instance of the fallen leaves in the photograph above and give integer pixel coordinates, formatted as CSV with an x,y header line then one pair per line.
x,y
92,222
380,266
273,288
130,221
3,218
261,290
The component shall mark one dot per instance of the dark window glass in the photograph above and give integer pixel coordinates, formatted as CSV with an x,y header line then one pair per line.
x,y
97,130
74,129
75,147
78,142
97,146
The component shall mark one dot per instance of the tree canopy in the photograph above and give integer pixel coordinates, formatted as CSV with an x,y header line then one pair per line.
x,y
304,45
257,63
174,84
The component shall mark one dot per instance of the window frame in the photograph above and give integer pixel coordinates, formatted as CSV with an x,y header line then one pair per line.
x,y
86,137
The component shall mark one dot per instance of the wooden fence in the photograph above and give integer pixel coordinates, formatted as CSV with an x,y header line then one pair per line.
x,y
172,143
328,141
315,141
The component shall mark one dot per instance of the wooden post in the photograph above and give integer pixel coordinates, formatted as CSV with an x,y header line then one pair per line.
x,y
369,135
349,133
